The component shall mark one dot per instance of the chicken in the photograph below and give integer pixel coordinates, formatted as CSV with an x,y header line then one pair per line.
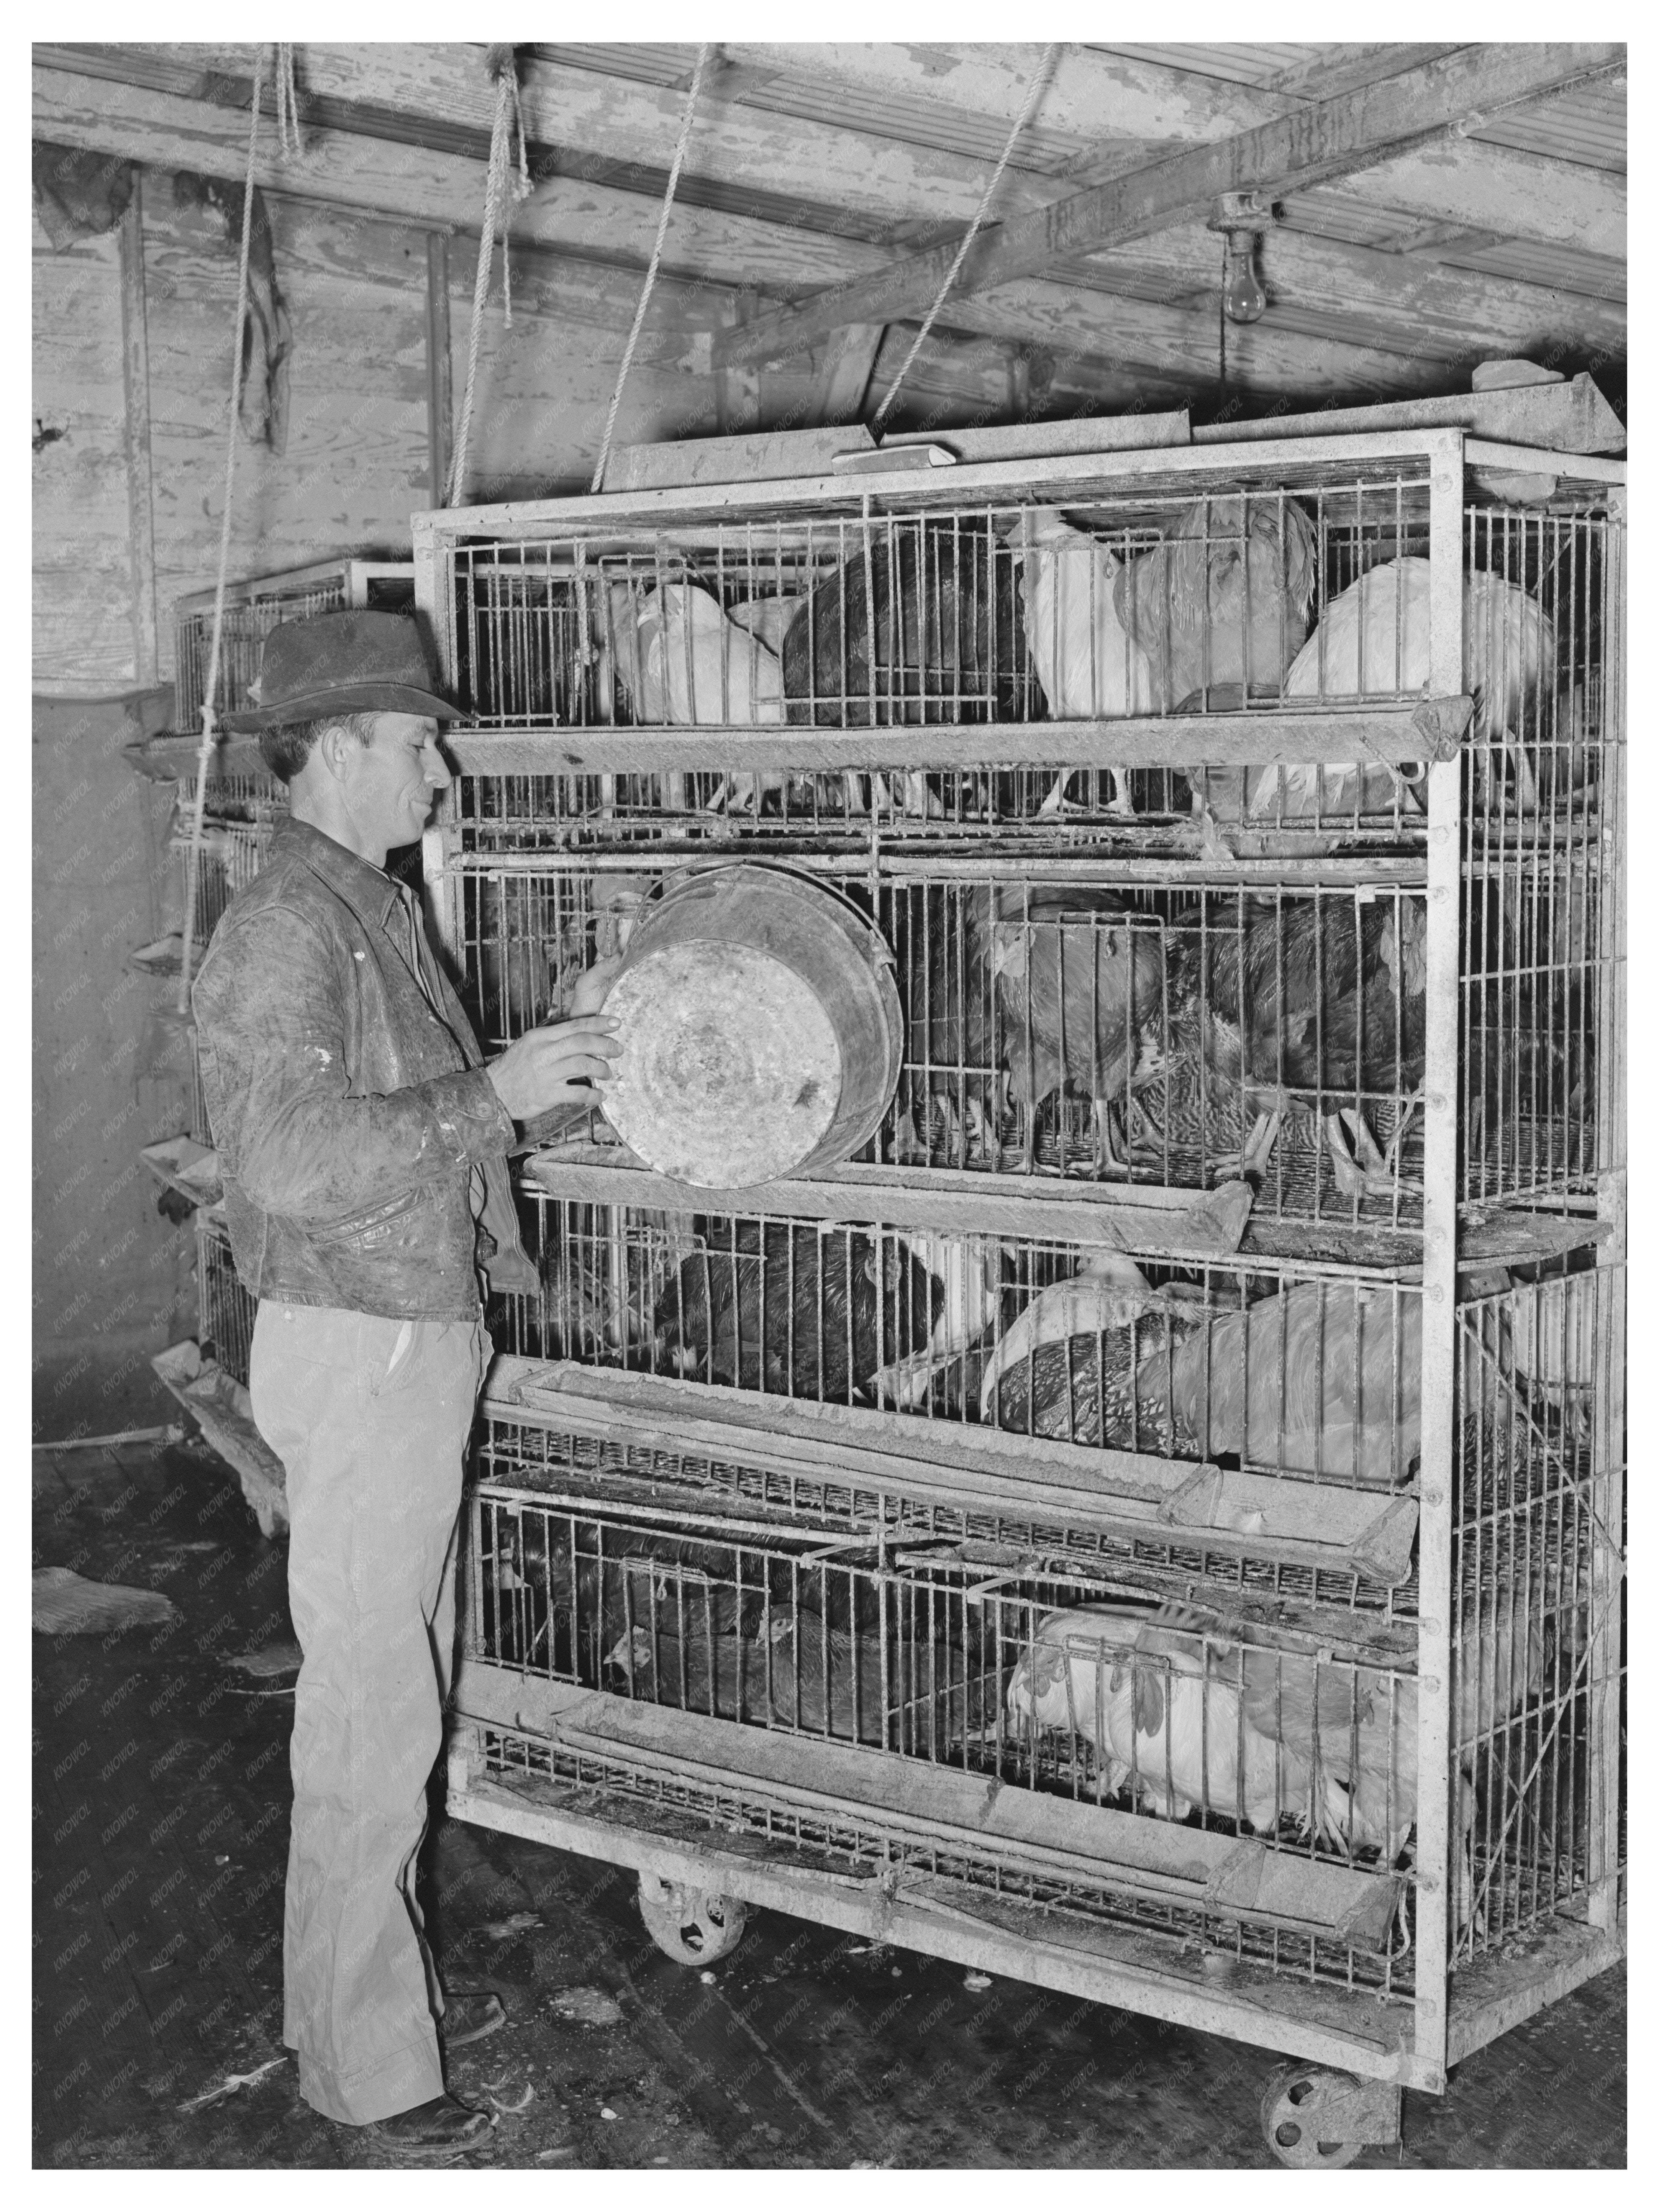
x,y
1223,601
1080,981
953,1097
1358,1727
1163,1706
970,1278
1321,1378
1093,1361
947,647
1183,1716
1308,1000
682,659
790,1674
1086,662
795,1310
1044,1377
1375,638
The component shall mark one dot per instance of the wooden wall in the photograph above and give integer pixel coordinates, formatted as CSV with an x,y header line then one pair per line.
x,y
130,430
83,640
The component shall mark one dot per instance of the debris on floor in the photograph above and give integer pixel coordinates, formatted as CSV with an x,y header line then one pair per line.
x,y
64,1603
593,2008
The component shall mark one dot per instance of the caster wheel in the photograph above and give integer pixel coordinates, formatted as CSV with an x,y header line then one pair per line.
x,y
695,1927
1297,2101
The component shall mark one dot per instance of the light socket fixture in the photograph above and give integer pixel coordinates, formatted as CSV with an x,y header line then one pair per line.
x,y
1242,217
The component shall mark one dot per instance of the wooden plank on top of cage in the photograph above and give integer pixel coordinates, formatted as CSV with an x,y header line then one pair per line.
x,y
756,456
1414,731
1566,418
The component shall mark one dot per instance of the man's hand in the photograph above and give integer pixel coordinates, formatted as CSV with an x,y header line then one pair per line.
x,y
593,986
544,1067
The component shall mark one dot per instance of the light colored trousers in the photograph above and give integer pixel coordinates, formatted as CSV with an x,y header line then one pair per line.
x,y
370,1418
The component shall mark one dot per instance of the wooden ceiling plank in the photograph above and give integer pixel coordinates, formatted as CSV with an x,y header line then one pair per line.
x,y
429,190
1524,196
1090,90
1099,337
1459,311
569,112
1332,138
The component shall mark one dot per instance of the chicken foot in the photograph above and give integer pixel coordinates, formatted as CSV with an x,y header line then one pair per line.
x,y
1364,1168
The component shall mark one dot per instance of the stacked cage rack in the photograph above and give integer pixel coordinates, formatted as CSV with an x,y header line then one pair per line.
x,y
252,608
1152,1520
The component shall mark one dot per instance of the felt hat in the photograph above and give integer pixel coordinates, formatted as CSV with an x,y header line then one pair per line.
x,y
355,661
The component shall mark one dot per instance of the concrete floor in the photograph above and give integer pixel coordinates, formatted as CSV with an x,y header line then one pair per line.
x,y
160,1813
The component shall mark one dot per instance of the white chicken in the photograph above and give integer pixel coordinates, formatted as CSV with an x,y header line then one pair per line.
x,y
1165,1710
1183,1718
1085,661
1375,638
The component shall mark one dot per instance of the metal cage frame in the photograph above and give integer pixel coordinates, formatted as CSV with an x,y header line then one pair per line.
x,y
838,1834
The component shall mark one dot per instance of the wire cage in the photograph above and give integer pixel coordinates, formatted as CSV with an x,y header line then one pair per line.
x,y
252,609
1193,1424
228,858
225,1311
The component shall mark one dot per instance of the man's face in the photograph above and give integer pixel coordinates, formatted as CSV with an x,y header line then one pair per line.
x,y
392,780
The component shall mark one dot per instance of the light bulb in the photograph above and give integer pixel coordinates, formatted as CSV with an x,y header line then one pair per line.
x,y
1242,300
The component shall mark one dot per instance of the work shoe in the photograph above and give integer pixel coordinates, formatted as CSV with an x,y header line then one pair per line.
x,y
469,2016
442,2127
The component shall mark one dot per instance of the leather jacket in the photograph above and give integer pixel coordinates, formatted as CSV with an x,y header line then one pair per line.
x,y
346,1097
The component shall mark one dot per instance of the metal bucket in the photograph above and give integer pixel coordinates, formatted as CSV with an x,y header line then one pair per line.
x,y
761,1032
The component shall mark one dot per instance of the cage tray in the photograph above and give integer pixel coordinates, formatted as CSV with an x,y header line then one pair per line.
x,y
1236,1876
1308,1524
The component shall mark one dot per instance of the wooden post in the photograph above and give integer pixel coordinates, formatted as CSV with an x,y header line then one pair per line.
x,y
135,381
1439,1840
438,399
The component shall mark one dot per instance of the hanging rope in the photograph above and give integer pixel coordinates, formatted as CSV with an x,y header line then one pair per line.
x,y
703,53
204,751
1039,77
289,141
509,114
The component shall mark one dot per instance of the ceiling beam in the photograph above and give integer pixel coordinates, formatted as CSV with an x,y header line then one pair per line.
x,y
1332,138
430,188
606,129
1167,344
605,234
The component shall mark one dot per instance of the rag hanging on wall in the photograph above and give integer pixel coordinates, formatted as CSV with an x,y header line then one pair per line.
x,y
287,127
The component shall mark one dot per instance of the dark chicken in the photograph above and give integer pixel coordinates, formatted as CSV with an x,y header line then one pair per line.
x,y
949,645
1311,1003
1079,988
1305,1002
1224,601
790,1672
795,1311
1319,1379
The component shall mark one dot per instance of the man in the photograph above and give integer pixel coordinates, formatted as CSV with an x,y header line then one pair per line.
x,y
363,1149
